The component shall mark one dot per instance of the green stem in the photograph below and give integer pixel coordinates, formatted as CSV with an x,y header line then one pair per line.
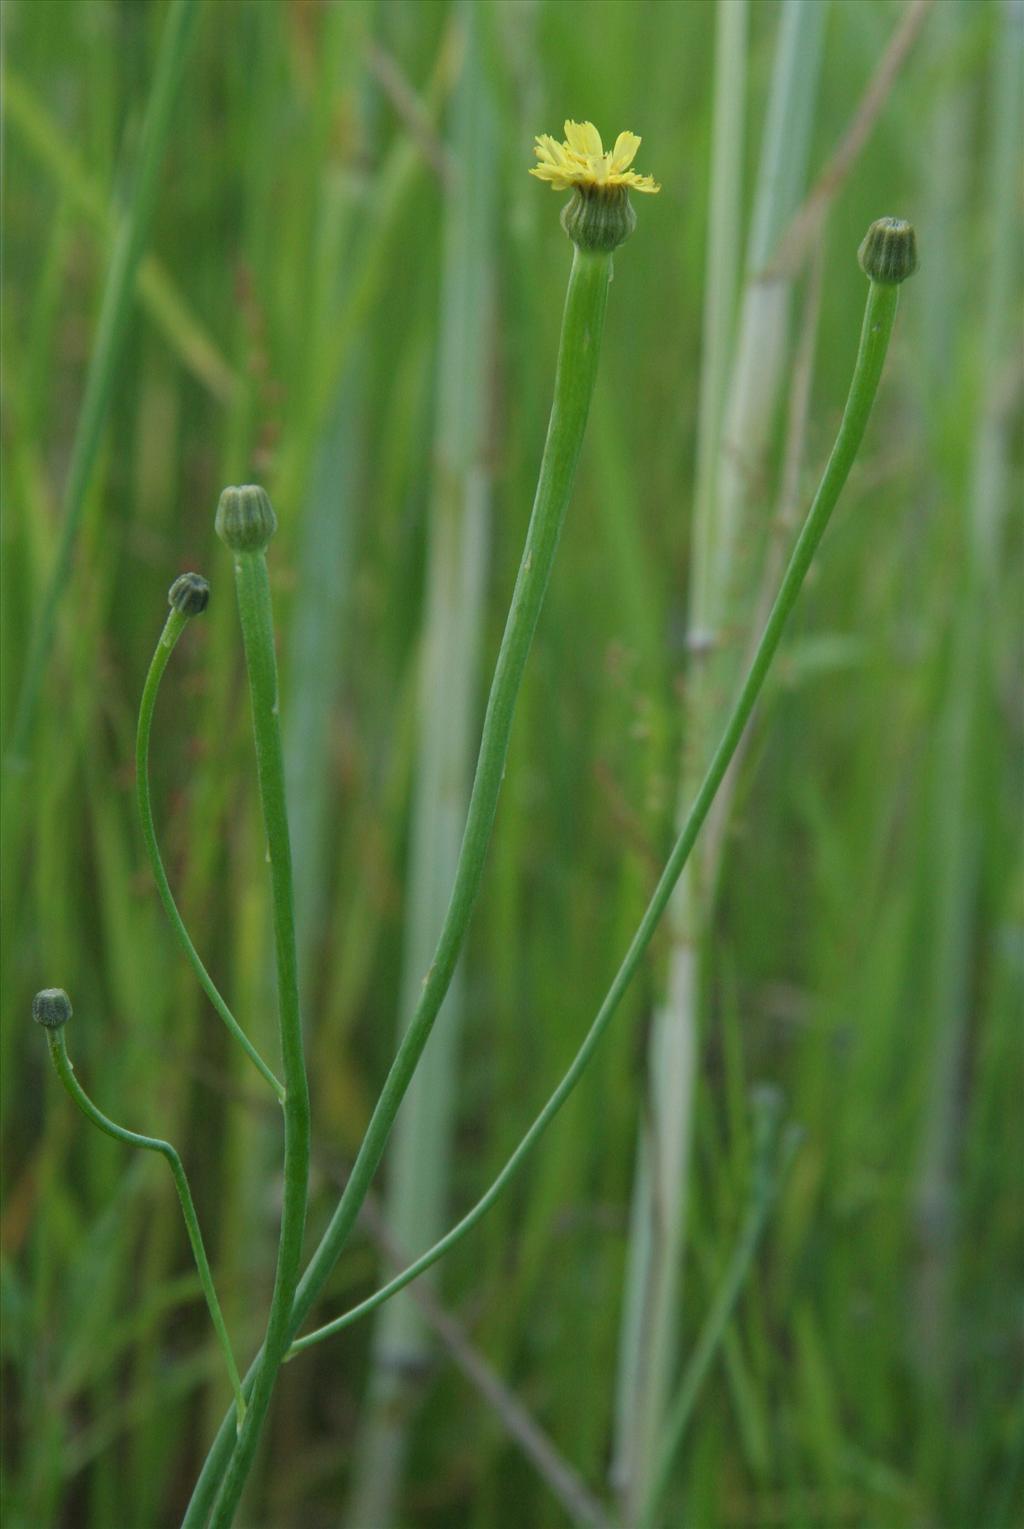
x,y
176,623
65,1071
874,341
256,616
110,330
582,327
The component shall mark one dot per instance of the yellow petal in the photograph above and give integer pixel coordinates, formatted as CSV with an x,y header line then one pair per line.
x,y
549,150
549,173
584,138
624,152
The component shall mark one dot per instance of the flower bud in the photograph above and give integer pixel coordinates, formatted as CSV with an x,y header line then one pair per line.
x,y
889,251
599,218
189,594
51,1008
245,518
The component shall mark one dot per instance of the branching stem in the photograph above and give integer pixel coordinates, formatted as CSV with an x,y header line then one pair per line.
x,y
877,329
582,328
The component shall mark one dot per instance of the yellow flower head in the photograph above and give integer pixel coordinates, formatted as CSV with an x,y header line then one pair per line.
x,y
581,161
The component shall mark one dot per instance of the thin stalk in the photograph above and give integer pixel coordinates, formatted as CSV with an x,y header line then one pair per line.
x,y
175,625
420,1156
772,1161
252,585
582,328
879,315
110,331
65,1071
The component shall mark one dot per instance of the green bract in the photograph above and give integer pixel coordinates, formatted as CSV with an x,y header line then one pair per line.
x,y
599,219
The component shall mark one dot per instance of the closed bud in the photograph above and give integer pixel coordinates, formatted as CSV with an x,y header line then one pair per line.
x,y
189,594
889,251
51,1008
245,518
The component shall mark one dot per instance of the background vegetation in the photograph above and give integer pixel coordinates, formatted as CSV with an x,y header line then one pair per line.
x,y
860,939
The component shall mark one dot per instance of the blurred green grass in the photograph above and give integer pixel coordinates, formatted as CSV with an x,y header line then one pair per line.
x,y
865,953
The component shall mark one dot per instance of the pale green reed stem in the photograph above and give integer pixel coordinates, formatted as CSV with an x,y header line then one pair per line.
x,y
874,341
421,1149
951,863
110,330
176,623
582,327
652,1298
256,616
65,1071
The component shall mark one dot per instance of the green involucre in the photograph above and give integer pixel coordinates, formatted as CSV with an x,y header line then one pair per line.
x,y
51,1008
245,519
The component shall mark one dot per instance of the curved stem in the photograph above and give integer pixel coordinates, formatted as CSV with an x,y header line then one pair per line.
x,y
175,625
582,328
877,329
65,1071
256,616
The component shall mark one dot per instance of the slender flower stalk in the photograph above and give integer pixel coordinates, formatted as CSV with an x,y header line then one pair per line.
x,y
246,523
879,317
599,222
188,597
52,1009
